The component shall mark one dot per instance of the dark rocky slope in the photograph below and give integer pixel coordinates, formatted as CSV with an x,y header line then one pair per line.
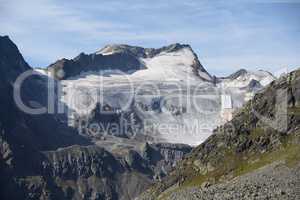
x,y
23,135
264,132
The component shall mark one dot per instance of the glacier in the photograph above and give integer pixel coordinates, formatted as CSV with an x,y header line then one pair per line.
x,y
174,97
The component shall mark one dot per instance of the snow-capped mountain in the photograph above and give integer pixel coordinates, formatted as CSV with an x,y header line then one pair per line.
x,y
165,93
171,62
245,84
242,78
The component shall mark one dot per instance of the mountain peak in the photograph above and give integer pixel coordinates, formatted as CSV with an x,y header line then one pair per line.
x,y
121,48
176,46
12,62
140,51
238,74
129,59
6,39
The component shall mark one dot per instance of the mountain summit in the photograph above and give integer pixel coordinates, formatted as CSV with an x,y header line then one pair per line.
x,y
175,59
140,51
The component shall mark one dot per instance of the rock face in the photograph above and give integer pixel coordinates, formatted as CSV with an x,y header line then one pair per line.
x,y
92,173
23,135
265,131
12,62
130,123
237,74
43,158
163,157
95,62
22,127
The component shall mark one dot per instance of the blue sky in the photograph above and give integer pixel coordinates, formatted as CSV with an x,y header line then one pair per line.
x,y
226,35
